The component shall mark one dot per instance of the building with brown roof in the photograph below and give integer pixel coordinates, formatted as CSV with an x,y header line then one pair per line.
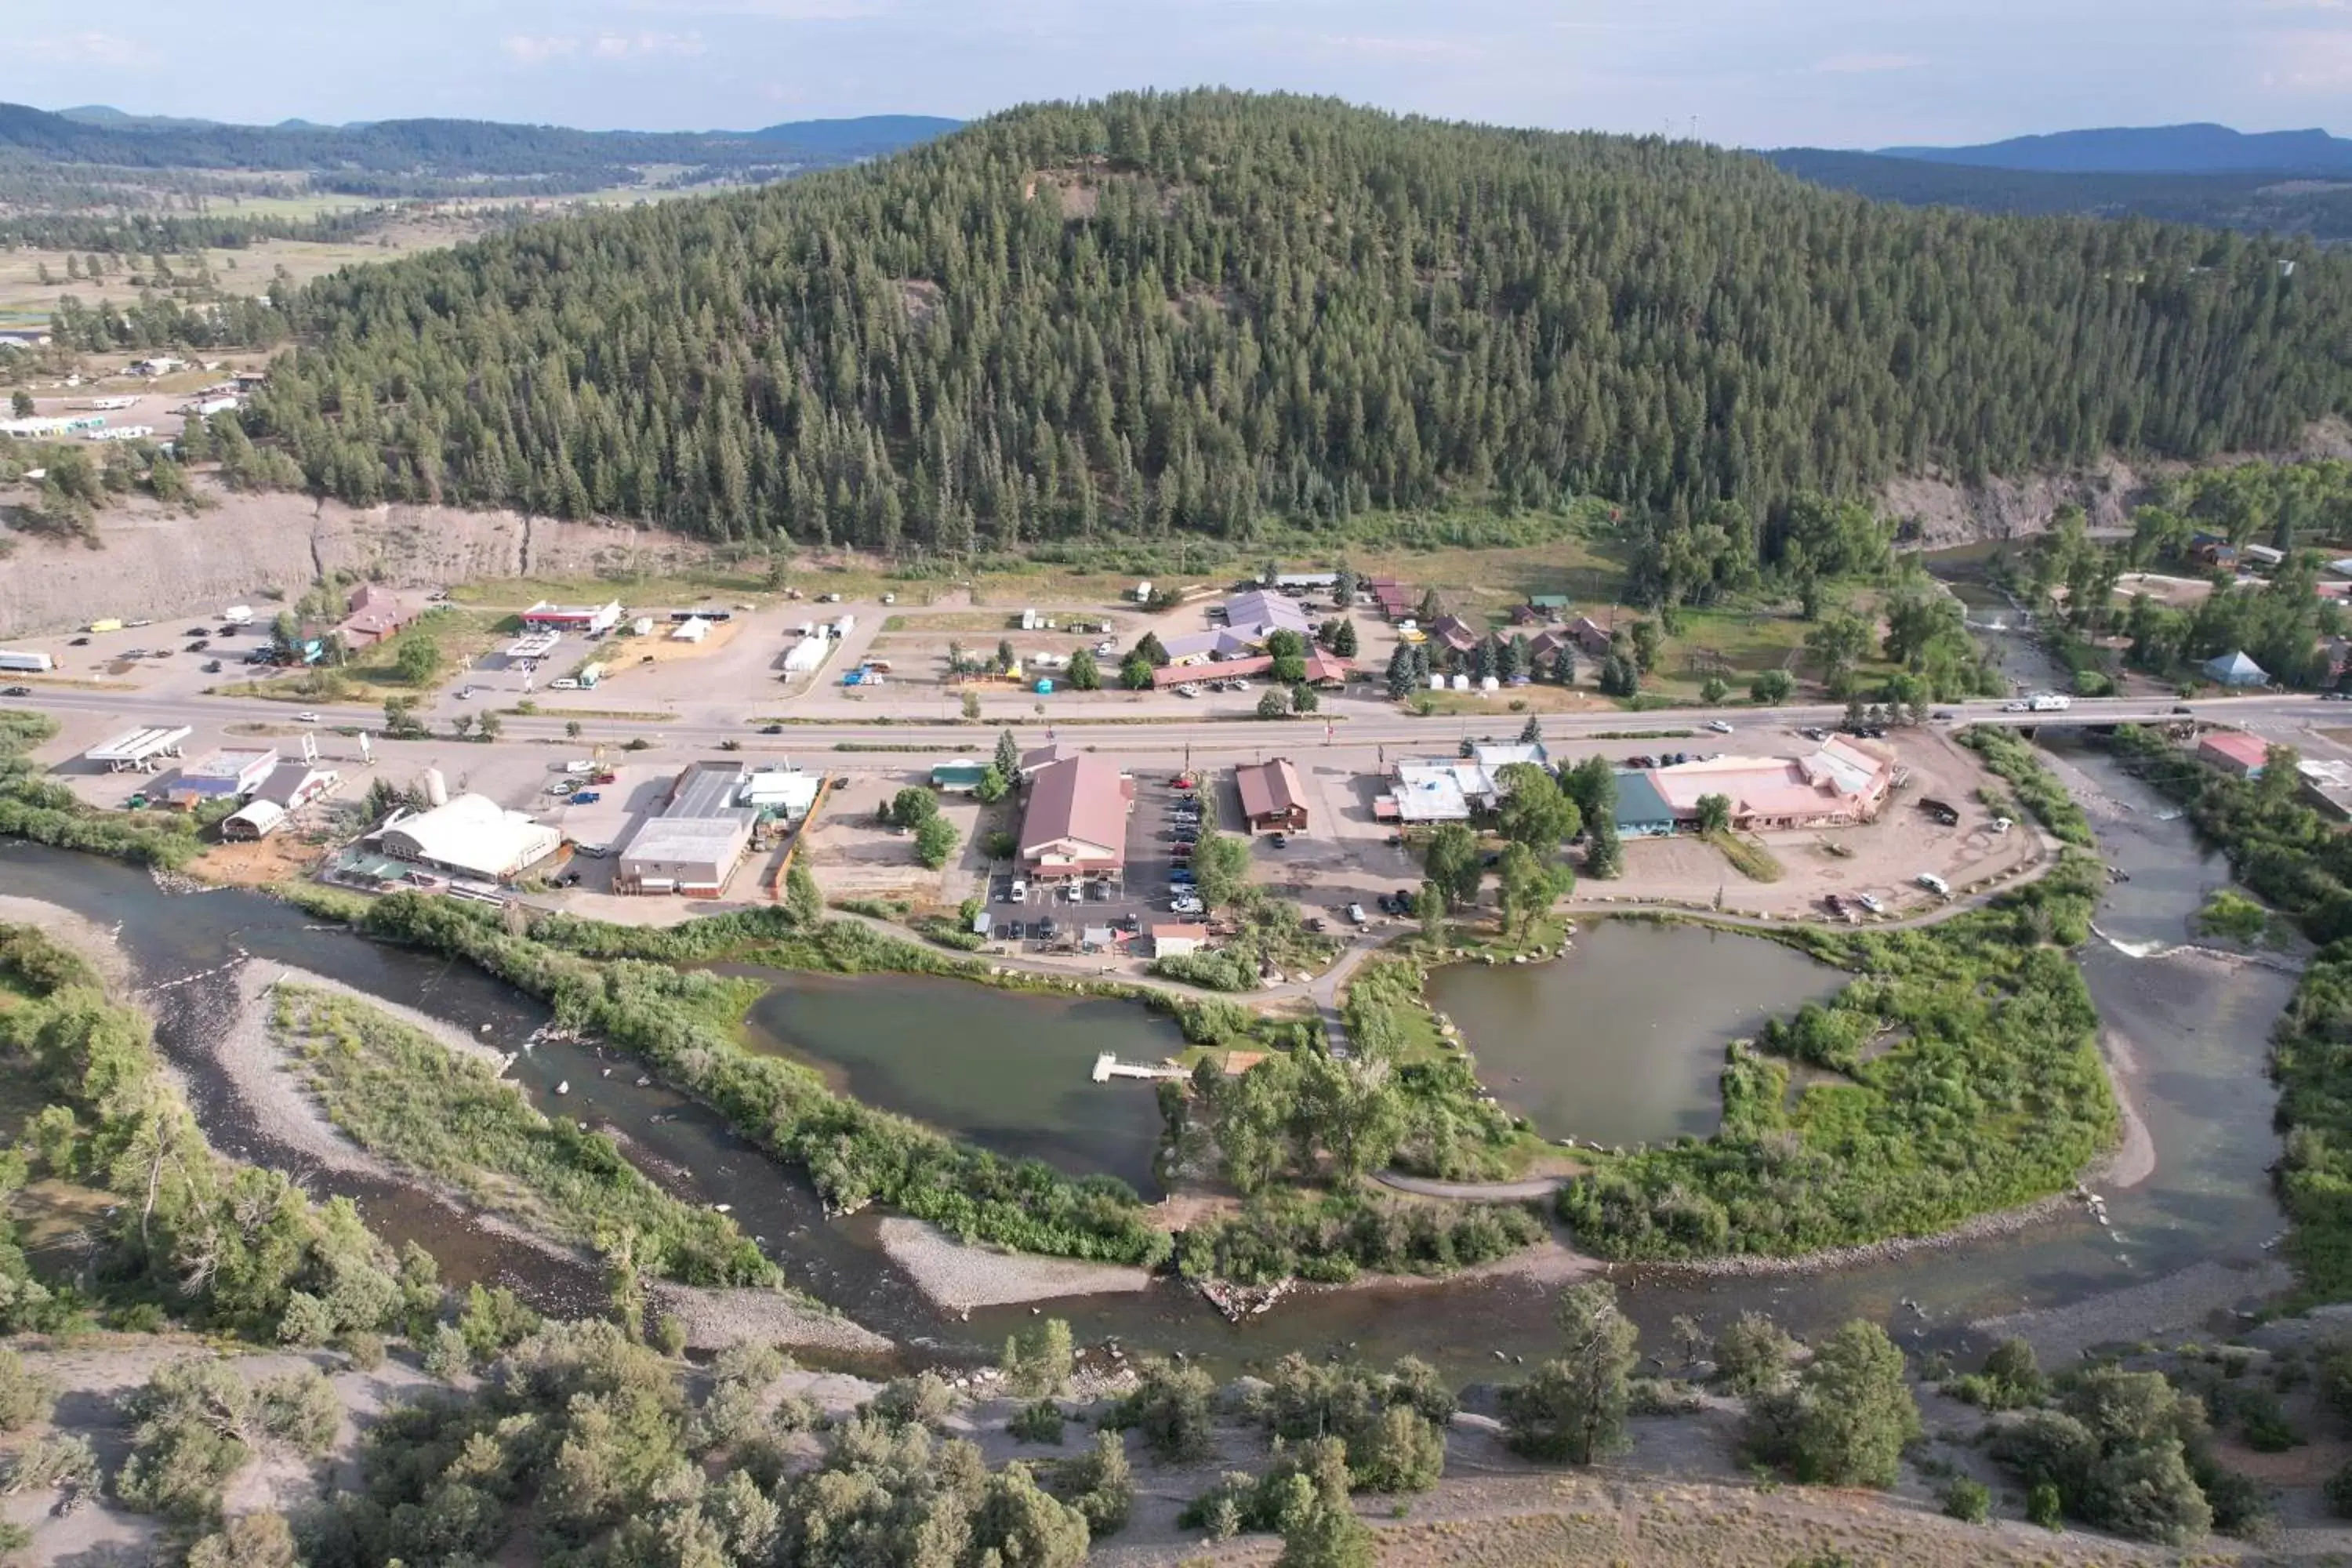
x,y
1076,821
1272,798
1590,635
1396,601
371,614
1456,633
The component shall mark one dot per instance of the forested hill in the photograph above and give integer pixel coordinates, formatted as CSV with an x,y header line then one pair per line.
x,y
1195,311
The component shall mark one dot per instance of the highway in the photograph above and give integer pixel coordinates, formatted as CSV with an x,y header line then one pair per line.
x,y
1353,725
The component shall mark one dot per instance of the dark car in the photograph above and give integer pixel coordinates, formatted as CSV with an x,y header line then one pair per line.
x,y
1387,904
1279,840
18,692
1008,931
78,642
200,644
772,729
2183,708
1406,898
212,667
198,632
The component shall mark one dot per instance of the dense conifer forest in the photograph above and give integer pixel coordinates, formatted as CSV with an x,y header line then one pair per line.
x,y
1208,311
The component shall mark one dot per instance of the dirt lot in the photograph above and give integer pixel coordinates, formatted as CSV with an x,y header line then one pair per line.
x,y
854,856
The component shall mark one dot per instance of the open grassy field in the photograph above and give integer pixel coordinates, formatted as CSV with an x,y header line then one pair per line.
x,y
25,300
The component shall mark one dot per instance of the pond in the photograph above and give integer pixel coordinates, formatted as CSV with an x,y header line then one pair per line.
x,y
1622,1040
1009,1070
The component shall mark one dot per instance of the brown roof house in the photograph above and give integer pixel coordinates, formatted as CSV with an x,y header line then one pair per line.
x,y
1076,823
1590,635
1272,799
371,614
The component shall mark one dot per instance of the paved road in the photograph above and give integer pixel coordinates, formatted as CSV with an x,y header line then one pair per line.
x,y
1369,725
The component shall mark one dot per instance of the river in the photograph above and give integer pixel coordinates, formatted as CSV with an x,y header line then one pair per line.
x,y
2196,1027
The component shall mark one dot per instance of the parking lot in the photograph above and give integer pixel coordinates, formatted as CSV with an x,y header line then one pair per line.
x,y
1054,918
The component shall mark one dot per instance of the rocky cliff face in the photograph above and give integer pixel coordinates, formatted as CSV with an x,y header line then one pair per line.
x,y
156,565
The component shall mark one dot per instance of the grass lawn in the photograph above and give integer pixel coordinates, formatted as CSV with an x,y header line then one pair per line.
x,y
1747,857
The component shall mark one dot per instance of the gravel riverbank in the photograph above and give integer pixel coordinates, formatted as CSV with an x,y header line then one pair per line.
x,y
2179,1301
956,1277
714,1318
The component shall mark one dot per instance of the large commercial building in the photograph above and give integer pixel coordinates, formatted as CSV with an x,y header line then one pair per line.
x,y
1076,821
473,835
1842,781
1258,612
694,843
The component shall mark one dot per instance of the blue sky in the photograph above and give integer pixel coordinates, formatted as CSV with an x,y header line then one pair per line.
x,y
1752,72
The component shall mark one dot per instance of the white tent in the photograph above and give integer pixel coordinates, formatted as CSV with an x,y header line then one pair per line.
x,y
694,628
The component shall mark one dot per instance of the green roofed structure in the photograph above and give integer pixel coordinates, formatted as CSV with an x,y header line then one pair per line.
x,y
1642,811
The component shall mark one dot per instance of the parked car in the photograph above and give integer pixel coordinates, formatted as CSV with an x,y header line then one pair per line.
x,y
212,667
1008,931
563,787
1180,875
1278,840
1407,900
198,632
604,777
1019,891
200,644
464,693
1386,904
1868,901
566,684
585,798
582,768
77,642
1356,913
1183,905
136,653
1180,691
593,851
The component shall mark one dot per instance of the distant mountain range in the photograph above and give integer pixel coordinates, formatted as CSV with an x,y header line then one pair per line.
x,y
101,134
2198,149
2286,181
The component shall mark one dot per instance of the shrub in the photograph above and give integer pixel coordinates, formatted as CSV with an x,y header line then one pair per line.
x,y
2338,1491
301,1410
923,1400
1104,1485
186,1439
25,1396
363,1348
1169,1408
1039,1422
2011,1379
1037,1361
1967,1500
2041,1506
1752,1355
307,1323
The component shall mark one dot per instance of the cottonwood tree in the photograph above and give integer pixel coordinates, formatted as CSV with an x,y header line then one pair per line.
x,y
1847,1419
1535,810
1574,1407
1454,863
1529,885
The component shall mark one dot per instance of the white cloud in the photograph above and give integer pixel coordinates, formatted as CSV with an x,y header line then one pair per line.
x,y
626,46
527,49
2309,60
537,51
1863,63
767,10
88,48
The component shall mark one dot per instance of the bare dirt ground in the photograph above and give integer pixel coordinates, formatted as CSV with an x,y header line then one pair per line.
x,y
854,856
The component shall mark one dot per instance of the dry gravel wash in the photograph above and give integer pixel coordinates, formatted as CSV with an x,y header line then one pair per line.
x,y
957,1278
150,562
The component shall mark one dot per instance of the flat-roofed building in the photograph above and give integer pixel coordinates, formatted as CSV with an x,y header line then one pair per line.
x,y
694,843
1074,824
1273,800
219,775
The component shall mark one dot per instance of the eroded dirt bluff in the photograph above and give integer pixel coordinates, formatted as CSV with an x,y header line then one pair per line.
x,y
1937,509
150,564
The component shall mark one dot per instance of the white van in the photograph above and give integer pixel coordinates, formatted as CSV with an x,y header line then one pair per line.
x,y
1020,892
1935,884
